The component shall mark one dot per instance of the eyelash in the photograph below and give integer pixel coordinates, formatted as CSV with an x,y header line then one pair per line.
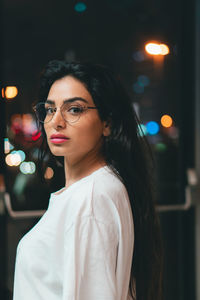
x,y
81,109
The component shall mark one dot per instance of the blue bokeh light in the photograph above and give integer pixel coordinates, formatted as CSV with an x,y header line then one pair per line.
x,y
22,154
152,127
138,89
143,80
80,7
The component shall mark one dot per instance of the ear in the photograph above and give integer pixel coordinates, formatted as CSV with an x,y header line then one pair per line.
x,y
106,128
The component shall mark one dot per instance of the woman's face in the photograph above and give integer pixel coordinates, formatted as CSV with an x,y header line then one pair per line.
x,y
78,140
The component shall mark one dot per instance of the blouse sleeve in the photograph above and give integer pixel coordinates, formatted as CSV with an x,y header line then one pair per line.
x,y
90,255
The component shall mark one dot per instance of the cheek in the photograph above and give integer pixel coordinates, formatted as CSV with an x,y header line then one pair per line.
x,y
91,131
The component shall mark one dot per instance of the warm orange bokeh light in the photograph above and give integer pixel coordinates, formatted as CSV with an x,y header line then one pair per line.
x,y
154,48
2,93
9,92
166,121
49,173
164,49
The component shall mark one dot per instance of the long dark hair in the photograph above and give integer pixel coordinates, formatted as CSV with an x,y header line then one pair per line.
x,y
128,154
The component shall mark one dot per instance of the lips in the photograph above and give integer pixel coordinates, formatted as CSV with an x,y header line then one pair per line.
x,y
58,138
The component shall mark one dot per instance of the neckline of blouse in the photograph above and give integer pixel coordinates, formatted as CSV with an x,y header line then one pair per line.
x,y
63,189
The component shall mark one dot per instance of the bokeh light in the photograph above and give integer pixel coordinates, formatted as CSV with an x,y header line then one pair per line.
x,y
22,155
13,159
143,80
138,89
80,7
28,124
36,135
154,48
24,124
9,92
49,173
166,121
27,167
160,147
8,160
164,49
7,146
152,127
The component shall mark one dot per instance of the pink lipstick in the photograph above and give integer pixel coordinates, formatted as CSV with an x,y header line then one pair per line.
x,y
58,138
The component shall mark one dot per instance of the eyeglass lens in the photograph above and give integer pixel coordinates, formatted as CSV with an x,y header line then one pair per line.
x,y
70,112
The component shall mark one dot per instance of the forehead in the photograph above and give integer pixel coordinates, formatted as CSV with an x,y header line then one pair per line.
x,y
66,88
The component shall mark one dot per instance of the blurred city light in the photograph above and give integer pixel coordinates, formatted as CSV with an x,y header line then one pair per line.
x,y
28,124
13,159
152,128
156,49
24,124
166,121
49,173
152,48
36,135
27,167
7,146
22,155
143,80
164,49
9,92
138,89
8,160
80,7
160,147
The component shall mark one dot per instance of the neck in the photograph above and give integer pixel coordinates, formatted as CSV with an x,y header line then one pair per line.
x,y
74,171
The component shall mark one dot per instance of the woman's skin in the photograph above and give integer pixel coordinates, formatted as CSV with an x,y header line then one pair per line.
x,y
81,150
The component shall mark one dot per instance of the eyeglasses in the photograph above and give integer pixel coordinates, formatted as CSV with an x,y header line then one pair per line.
x,y
71,113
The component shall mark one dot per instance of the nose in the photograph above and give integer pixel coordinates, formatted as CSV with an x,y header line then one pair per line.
x,y
58,120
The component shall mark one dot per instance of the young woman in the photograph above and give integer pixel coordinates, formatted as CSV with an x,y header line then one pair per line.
x,y
99,238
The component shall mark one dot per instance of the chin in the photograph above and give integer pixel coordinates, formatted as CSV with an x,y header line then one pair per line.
x,y
57,152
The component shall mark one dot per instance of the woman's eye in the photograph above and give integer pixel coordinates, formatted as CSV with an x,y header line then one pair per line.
x,y
75,110
49,110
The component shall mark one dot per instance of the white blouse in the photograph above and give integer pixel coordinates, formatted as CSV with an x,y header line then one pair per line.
x,y
82,247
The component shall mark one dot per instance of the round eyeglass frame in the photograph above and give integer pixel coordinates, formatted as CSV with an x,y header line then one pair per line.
x,y
85,108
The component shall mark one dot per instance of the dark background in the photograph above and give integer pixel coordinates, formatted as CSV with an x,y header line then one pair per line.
x,y
112,32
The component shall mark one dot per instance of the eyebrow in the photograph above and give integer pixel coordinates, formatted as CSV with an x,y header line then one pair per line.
x,y
70,100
